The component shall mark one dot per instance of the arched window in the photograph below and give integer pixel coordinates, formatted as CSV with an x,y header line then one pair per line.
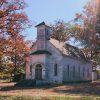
x,y
55,70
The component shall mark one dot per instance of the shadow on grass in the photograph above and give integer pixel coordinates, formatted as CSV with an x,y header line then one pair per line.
x,y
10,88
69,88
82,89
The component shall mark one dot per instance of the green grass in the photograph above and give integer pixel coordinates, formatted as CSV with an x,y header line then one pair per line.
x,y
46,98
7,80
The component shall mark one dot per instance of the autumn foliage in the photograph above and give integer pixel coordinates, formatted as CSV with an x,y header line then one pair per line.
x,y
84,29
13,47
88,26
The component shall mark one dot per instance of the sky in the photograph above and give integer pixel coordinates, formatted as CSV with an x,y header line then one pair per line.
x,y
50,11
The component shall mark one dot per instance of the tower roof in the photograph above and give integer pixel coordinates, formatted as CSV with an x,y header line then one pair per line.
x,y
40,52
42,23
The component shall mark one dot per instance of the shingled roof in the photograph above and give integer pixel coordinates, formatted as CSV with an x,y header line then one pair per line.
x,y
67,49
59,45
64,48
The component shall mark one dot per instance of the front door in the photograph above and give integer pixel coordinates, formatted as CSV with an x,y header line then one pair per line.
x,y
38,72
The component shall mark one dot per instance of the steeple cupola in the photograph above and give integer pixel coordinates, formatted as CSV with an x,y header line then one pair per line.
x,y
43,35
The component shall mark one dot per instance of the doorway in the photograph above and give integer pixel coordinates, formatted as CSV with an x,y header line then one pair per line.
x,y
38,72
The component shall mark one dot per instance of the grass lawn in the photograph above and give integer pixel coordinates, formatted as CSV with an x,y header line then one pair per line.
x,y
5,97
76,91
4,80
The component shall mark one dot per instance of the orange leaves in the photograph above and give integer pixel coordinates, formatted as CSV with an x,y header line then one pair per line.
x,y
1,13
21,17
90,19
12,19
12,22
15,48
1,53
86,26
10,30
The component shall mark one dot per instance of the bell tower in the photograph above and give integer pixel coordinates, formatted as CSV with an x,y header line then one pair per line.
x,y
43,35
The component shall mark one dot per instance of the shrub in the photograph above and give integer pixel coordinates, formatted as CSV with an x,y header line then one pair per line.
x,y
26,83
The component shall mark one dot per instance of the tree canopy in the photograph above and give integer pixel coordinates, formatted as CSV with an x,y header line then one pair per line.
x,y
85,29
13,46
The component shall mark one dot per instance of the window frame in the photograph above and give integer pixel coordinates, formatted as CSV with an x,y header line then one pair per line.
x,y
55,69
31,69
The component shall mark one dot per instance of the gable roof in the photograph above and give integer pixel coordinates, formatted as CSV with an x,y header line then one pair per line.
x,y
64,48
59,46
67,49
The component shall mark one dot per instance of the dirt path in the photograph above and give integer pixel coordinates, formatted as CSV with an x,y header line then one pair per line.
x,y
78,89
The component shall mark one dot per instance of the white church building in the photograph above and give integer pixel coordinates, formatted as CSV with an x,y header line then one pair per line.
x,y
51,62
